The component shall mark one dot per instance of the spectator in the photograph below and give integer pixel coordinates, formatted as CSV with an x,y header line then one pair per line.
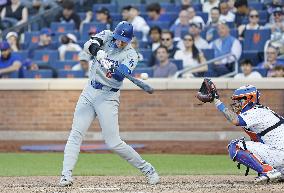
x,y
155,37
38,7
68,14
43,44
208,5
163,68
182,26
271,60
134,44
154,13
103,16
12,39
193,18
4,3
211,26
274,4
15,13
167,41
253,24
225,13
191,56
9,62
84,63
195,30
242,12
225,44
125,12
69,43
138,22
247,72
277,72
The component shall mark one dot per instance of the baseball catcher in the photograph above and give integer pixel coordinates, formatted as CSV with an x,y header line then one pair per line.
x,y
265,152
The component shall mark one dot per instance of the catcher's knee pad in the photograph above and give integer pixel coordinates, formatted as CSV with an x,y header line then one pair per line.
x,y
239,153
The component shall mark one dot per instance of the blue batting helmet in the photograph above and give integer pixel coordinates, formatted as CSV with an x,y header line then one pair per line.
x,y
123,31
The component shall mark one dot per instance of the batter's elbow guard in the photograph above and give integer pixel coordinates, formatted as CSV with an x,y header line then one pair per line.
x,y
117,75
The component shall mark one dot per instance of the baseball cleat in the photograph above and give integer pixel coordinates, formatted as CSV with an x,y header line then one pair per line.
x,y
270,176
152,176
66,180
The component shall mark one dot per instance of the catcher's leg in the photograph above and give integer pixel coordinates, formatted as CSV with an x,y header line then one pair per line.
x,y
107,112
83,116
257,156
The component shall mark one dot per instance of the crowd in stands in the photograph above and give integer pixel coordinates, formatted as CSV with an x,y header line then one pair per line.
x,y
212,38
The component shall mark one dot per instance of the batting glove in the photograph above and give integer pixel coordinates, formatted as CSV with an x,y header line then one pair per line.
x,y
101,55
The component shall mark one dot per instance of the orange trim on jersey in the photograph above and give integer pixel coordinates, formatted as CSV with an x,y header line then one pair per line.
x,y
253,136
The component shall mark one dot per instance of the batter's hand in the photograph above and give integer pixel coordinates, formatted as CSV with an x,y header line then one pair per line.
x,y
101,55
106,64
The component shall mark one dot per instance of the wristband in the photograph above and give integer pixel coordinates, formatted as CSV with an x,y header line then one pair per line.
x,y
219,105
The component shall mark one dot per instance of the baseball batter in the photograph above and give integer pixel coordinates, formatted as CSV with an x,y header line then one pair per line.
x,y
265,152
100,98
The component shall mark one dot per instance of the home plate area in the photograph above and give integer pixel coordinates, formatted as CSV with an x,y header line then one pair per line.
x,y
137,184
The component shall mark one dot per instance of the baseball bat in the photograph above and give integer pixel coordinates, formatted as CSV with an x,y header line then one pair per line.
x,y
137,82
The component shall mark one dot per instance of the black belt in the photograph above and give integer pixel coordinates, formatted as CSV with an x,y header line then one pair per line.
x,y
273,126
98,85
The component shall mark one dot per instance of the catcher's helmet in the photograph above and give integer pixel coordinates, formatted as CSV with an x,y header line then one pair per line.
x,y
248,96
123,31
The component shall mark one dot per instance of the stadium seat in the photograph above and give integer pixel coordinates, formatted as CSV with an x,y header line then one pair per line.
x,y
31,38
116,16
161,24
143,44
208,53
22,54
138,35
262,71
255,5
256,39
71,55
11,75
204,15
37,73
98,27
178,63
146,53
255,56
65,65
197,7
138,71
142,64
47,56
82,15
70,74
111,7
62,27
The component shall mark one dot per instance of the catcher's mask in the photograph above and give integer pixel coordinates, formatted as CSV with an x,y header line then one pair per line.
x,y
245,98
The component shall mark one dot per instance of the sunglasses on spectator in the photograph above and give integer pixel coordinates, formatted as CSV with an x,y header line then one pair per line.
x,y
251,16
166,39
277,14
187,39
270,52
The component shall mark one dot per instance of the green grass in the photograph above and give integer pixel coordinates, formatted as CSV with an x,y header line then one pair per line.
x,y
49,164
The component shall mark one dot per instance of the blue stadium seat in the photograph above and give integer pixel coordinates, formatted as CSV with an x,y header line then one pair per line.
x,y
92,25
116,16
262,71
162,25
111,7
65,65
138,35
62,27
255,5
204,16
22,54
82,15
143,45
70,74
169,17
169,7
11,75
255,56
142,64
71,55
256,39
178,63
37,73
47,56
31,38
208,53
197,7
138,71
146,53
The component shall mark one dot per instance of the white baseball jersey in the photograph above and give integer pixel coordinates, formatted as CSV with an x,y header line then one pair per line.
x,y
260,118
127,56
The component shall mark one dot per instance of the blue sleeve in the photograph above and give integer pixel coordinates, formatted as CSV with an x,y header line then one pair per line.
x,y
241,121
117,75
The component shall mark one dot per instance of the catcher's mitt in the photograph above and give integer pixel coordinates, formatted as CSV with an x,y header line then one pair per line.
x,y
207,91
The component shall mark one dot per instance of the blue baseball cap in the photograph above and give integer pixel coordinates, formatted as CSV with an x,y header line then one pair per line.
x,y
4,45
46,31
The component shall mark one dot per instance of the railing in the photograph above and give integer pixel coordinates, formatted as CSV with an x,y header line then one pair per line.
x,y
181,72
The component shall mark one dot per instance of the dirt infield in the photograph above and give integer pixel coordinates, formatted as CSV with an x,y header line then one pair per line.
x,y
137,184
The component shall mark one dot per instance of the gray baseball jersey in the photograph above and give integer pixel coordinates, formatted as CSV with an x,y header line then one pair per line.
x,y
127,56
